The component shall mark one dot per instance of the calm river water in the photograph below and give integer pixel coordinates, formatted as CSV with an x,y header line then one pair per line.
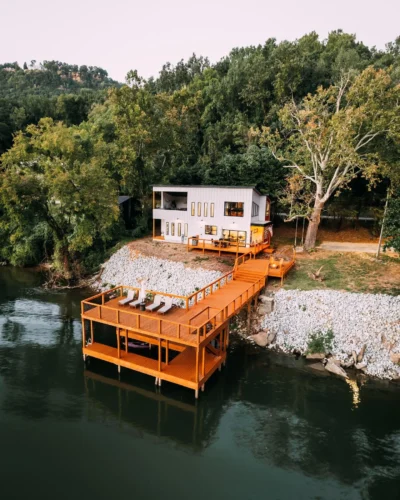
x,y
265,428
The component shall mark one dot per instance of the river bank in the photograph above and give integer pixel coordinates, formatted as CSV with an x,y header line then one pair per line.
x,y
355,329
129,267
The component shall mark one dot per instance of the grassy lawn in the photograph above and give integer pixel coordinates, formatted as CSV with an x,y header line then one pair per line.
x,y
350,272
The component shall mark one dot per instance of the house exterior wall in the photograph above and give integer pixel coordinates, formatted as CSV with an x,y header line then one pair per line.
x,y
206,199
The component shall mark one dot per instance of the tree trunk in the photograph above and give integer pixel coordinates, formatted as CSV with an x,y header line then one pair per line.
x,y
312,229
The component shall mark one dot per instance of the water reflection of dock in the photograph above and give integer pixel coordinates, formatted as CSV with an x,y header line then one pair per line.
x,y
151,411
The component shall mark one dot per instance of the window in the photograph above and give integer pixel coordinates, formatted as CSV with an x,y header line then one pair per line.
x,y
193,208
234,208
211,209
167,228
235,237
205,209
172,228
199,209
254,209
186,230
210,230
179,229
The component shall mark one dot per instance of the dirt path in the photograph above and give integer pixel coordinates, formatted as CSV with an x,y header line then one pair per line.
x,y
338,246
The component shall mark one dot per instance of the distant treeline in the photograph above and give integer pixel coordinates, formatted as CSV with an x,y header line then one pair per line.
x,y
50,89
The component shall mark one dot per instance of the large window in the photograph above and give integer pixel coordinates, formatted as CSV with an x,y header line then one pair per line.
x,y
234,208
254,209
211,209
234,237
193,208
210,230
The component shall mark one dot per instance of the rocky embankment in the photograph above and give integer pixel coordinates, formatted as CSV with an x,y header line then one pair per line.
x,y
351,330
127,267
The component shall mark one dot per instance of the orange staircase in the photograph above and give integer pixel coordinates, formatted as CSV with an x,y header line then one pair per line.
x,y
251,270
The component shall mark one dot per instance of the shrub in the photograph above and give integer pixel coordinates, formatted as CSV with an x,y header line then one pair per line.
x,y
320,342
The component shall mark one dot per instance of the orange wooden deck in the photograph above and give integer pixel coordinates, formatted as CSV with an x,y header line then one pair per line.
x,y
199,332
204,246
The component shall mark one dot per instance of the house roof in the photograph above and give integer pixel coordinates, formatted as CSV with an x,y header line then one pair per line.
x,y
123,199
172,186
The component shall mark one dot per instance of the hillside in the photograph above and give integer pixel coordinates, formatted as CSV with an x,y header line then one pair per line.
x,y
55,89
50,78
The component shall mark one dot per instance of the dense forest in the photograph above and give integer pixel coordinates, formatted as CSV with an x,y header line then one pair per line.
x,y
314,123
54,89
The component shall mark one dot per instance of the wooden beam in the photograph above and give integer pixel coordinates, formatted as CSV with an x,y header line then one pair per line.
x,y
91,332
118,344
197,366
83,333
159,355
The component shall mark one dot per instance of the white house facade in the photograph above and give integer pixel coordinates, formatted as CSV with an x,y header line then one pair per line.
x,y
240,215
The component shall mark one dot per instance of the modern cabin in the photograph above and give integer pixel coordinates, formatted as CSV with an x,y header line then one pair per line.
x,y
239,216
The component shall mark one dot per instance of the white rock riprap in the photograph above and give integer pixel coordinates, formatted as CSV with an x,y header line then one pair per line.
x,y
355,319
129,268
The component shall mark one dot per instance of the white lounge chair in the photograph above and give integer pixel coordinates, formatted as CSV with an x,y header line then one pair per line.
x,y
129,298
136,302
167,306
155,304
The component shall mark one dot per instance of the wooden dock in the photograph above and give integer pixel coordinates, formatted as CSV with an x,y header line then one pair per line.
x,y
190,341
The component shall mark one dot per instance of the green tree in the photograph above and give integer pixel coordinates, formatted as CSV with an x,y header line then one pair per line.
x,y
51,176
333,136
392,223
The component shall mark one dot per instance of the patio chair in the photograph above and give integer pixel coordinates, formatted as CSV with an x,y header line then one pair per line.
x,y
136,302
167,306
155,304
128,298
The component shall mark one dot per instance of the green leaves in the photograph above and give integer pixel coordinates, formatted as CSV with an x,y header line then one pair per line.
x,y
52,176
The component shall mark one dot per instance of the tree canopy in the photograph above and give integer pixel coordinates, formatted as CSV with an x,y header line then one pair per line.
x,y
326,108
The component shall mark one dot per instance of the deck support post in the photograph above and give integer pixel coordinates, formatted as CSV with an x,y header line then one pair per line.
x,y
202,387
118,344
196,394
83,334
156,381
119,368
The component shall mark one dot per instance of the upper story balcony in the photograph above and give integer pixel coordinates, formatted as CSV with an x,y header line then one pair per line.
x,y
163,200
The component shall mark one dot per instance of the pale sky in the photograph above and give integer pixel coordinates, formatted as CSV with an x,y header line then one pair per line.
x,y
120,35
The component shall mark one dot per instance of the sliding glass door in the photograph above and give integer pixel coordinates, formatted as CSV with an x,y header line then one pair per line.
x,y
234,237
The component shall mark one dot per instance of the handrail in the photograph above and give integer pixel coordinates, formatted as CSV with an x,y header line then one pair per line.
x,y
135,313
153,292
210,285
217,243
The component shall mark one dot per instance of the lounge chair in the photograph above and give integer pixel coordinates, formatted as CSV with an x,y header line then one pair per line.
x,y
167,306
155,304
136,302
129,298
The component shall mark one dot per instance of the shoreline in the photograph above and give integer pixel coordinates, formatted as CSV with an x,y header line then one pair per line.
x,y
344,328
